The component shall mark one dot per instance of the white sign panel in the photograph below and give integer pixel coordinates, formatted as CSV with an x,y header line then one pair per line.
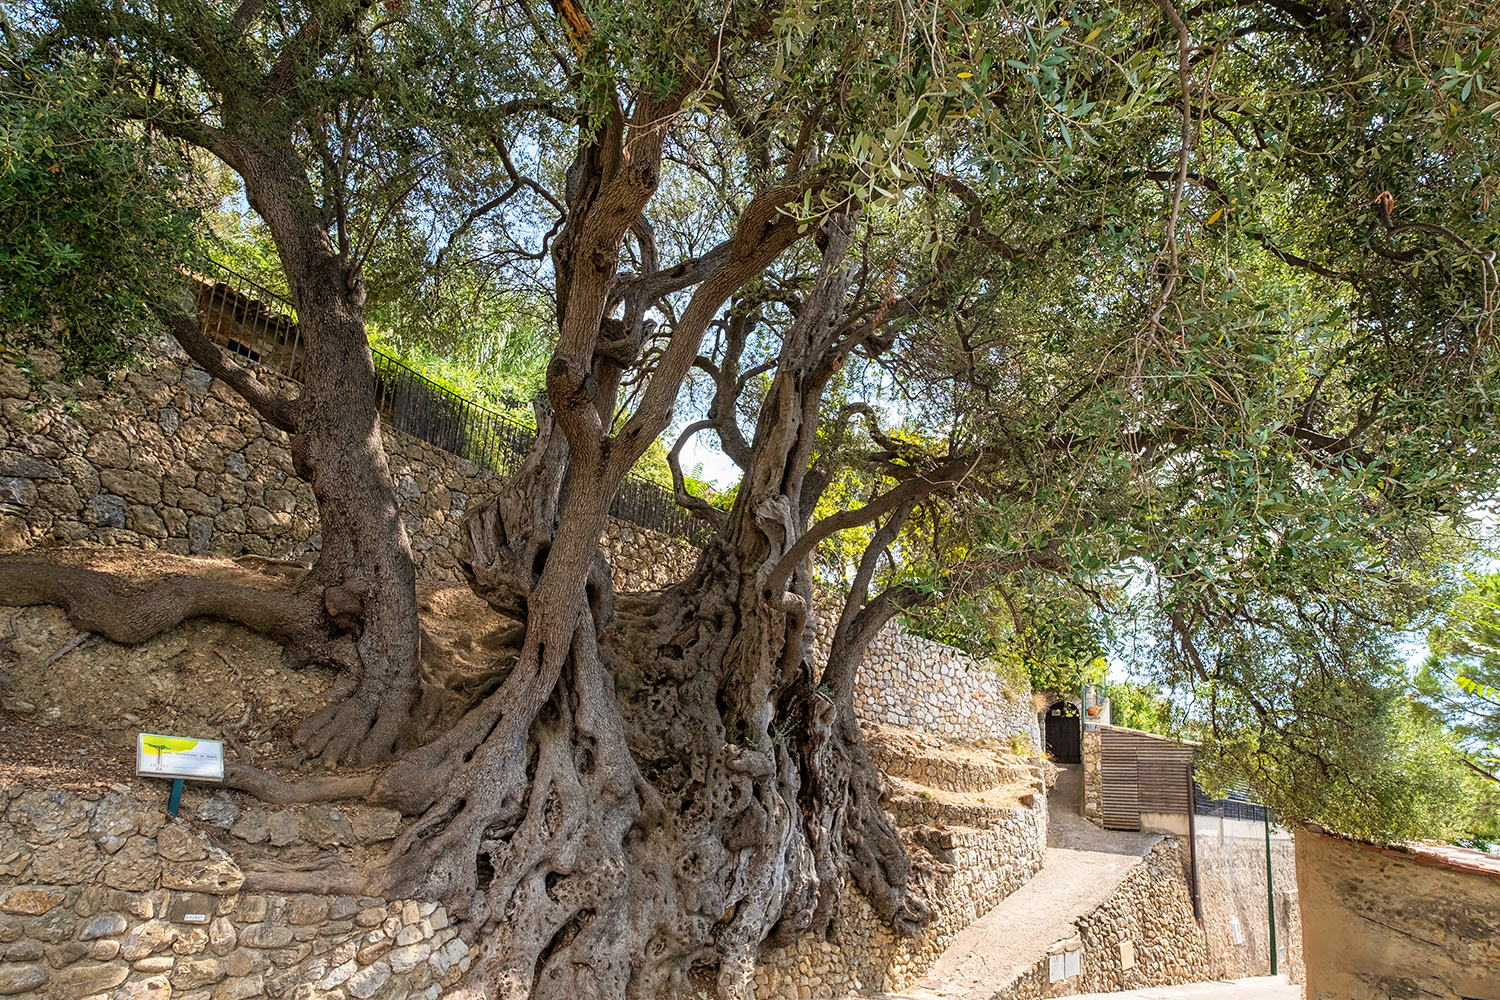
x,y
158,756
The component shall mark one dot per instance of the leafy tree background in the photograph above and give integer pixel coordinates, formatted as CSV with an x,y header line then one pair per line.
x,y
97,217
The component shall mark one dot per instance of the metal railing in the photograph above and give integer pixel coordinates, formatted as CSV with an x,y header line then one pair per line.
x,y
260,325
1235,805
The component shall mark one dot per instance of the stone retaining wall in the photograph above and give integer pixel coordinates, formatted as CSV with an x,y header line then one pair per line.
x,y
987,865
167,457
1143,935
917,683
103,898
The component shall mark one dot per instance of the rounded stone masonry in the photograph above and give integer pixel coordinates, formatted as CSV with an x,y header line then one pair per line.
x,y
103,898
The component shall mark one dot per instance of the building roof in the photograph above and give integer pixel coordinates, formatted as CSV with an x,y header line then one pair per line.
x,y
1431,853
1154,736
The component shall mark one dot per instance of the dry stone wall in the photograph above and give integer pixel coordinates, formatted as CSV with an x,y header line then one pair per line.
x,y
166,457
1144,934
986,866
102,897
917,683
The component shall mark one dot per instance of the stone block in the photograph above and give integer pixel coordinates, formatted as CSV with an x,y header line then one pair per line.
x,y
155,988
133,484
81,980
105,511
217,875
307,909
222,936
281,827
16,979
108,448
17,493
241,962
193,973
366,981
240,988
144,939
179,842
265,936
200,532
103,925
31,900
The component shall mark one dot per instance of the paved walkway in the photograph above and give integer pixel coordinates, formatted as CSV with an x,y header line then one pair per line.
x,y
1082,868
1260,988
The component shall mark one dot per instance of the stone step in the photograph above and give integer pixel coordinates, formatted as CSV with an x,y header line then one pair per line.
x,y
968,773
915,805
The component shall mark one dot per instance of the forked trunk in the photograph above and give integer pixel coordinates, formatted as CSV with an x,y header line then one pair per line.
x,y
658,783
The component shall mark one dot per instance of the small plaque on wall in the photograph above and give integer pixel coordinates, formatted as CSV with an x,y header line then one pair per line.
x,y
192,908
1127,955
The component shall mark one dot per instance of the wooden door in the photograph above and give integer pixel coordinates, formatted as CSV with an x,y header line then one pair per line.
x,y
1064,733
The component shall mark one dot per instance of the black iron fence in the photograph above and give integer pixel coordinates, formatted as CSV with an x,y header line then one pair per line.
x,y
1235,805
260,325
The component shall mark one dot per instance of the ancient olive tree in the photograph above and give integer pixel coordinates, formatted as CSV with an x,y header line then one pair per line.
x,y
1057,290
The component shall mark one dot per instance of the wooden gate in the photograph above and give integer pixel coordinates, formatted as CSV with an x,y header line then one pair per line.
x,y
1122,795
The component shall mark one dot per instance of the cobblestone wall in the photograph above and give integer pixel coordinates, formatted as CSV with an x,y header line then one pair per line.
x,y
987,865
103,898
1144,934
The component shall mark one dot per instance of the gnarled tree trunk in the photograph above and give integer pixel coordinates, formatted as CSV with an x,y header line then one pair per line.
x,y
659,782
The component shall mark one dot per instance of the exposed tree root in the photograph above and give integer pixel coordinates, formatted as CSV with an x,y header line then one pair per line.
x,y
323,878
132,611
633,826
278,791
131,599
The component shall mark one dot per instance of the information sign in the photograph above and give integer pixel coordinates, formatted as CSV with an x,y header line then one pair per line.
x,y
158,756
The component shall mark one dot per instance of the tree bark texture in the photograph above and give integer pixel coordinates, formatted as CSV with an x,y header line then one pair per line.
x,y
659,782
363,583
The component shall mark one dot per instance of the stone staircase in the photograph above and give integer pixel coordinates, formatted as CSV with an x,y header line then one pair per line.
x,y
954,800
1082,867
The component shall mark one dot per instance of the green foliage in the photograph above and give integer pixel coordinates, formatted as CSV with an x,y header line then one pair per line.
x,y
1143,706
94,221
1459,682
1356,758
1217,329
